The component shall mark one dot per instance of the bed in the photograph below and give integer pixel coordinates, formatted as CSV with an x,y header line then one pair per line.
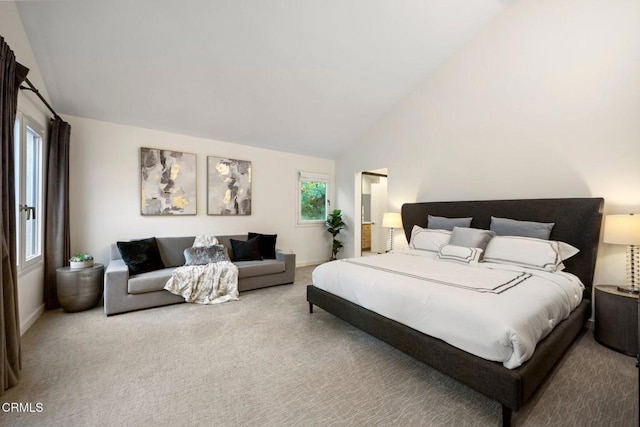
x,y
577,222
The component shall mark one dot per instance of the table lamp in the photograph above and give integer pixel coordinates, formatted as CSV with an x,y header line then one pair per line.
x,y
391,220
625,230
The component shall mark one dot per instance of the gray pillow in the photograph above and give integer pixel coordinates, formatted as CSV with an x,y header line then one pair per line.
x,y
201,255
444,223
513,227
471,237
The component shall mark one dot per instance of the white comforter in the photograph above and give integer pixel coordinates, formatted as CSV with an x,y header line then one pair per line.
x,y
211,283
497,312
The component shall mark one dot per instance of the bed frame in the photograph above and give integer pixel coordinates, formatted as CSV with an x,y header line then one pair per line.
x,y
577,222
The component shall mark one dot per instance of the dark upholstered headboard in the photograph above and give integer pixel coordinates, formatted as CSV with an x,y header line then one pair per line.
x,y
577,222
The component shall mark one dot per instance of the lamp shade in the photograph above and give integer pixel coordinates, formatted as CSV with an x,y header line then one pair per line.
x,y
622,229
392,220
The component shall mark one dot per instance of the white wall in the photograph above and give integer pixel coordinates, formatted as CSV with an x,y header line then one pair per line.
x,y
105,191
544,102
30,282
105,201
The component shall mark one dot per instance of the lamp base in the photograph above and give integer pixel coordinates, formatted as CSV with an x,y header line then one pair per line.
x,y
629,289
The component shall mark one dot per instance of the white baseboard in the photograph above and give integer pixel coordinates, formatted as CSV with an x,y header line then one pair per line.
x,y
29,321
309,263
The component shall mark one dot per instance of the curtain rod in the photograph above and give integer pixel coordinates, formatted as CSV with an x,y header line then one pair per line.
x,y
33,89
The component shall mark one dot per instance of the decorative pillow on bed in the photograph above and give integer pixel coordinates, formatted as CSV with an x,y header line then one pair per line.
x,y
141,256
460,254
443,223
539,254
513,227
201,255
205,240
471,237
248,250
425,239
267,244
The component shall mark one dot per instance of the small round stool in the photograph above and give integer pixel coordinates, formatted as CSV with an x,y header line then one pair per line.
x,y
79,289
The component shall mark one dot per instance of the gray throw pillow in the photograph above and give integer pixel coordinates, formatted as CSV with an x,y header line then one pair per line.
x,y
513,227
444,223
201,255
471,237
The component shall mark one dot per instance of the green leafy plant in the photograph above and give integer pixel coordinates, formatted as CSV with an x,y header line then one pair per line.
x,y
334,226
313,200
80,258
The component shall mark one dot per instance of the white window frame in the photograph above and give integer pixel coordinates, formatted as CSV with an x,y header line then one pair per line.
x,y
24,122
312,177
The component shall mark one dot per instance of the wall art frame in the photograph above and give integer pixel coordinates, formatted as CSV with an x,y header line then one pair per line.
x,y
168,182
228,186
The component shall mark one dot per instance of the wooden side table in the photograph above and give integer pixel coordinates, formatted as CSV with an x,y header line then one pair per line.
x,y
79,289
616,318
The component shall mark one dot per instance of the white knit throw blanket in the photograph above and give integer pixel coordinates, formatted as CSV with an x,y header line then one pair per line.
x,y
205,284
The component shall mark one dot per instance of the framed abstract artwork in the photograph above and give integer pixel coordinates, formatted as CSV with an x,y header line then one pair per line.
x,y
167,182
228,186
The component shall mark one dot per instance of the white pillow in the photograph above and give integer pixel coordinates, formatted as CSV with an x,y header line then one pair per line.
x,y
529,252
426,239
463,254
205,240
566,250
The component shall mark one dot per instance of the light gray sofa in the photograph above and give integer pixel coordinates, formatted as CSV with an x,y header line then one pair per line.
x,y
123,293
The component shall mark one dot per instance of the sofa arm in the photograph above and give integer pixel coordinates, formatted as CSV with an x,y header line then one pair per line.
x,y
116,280
289,264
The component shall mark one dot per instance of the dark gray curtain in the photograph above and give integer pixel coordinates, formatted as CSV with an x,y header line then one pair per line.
x,y
11,76
56,241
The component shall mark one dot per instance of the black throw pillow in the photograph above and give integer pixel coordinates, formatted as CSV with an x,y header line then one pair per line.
x,y
141,256
246,250
267,244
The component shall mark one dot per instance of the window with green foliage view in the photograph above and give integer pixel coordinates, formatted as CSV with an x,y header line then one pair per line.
x,y
313,201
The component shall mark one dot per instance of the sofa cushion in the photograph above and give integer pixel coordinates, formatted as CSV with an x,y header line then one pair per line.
x,y
267,244
141,255
246,250
149,282
259,268
172,248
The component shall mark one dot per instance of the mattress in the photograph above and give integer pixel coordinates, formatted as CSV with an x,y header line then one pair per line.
x,y
495,311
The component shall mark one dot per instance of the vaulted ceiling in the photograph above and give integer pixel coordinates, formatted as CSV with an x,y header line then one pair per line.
x,y
303,76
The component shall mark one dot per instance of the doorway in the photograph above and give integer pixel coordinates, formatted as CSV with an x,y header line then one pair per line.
x,y
373,205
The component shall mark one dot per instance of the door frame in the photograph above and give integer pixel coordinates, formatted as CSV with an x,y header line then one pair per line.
x,y
357,208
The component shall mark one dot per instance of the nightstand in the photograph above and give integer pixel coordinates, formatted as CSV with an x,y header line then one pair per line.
x,y
616,318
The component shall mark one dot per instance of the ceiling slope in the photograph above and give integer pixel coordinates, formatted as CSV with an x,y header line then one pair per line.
x,y
300,76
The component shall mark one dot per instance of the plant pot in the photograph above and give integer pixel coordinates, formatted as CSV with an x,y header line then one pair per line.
x,y
81,264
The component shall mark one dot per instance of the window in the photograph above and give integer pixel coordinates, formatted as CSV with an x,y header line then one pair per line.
x,y
28,180
313,201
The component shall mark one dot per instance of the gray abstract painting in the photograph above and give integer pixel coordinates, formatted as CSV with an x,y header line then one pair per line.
x,y
228,186
168,182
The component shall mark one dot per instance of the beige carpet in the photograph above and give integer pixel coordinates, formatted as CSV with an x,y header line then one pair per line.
x,y
265,361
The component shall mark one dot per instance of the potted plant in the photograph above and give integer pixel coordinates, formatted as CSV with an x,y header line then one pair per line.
x,y
334,225
81,261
